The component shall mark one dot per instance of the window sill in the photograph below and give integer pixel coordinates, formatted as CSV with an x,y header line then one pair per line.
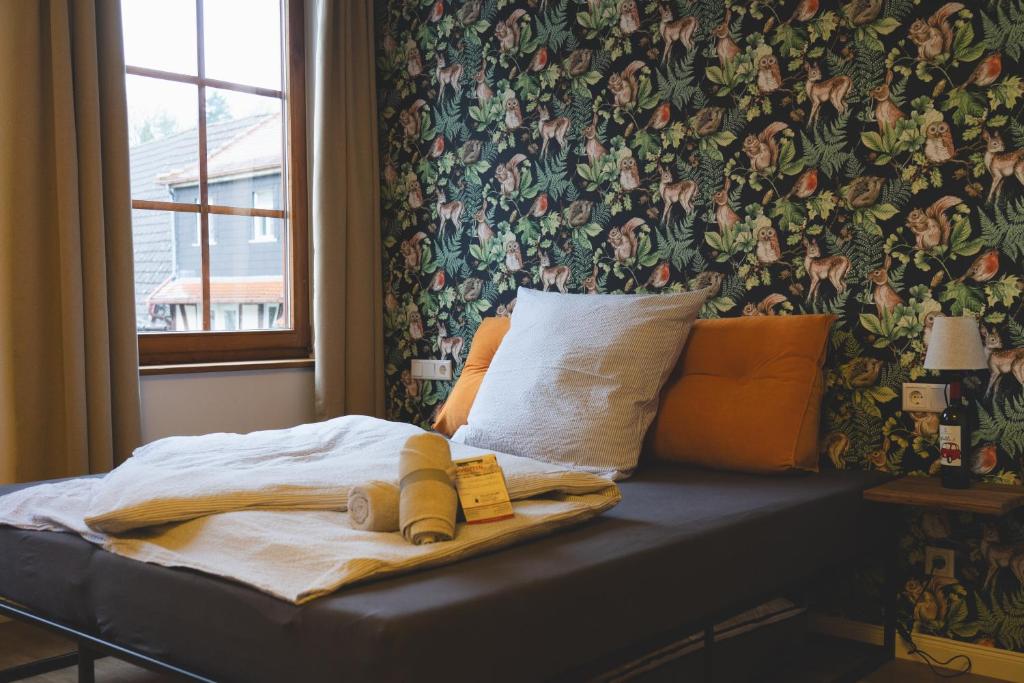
x,y
230,366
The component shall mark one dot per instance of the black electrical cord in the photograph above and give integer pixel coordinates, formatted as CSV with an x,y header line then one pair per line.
x,y
930,661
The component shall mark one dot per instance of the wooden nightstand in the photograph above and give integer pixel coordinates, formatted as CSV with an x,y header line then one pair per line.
x,y
985,499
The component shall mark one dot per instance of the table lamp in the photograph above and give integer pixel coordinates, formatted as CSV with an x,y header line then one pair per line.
x,y
955,346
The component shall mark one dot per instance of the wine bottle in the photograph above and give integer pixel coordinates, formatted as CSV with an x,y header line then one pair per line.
x,y
954,438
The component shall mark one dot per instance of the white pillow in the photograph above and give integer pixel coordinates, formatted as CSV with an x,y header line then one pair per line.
x,y
577,377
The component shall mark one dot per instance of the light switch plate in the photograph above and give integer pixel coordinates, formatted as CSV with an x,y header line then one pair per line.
x,y
924,398
432,369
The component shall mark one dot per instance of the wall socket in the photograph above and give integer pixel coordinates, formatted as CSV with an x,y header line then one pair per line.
x,y
432,369
938,561
924,398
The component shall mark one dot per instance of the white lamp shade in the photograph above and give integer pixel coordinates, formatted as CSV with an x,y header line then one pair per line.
x,y
955,345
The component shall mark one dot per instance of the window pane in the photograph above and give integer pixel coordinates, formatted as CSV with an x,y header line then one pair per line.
x,y
243,41
164,139
245,144
168,289
248,277
160,34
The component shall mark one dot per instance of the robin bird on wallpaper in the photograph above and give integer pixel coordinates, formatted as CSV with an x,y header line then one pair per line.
x,y
804,11
805,186
540,205
660,276
986,72
984,267
660,118
540,60
438,281
436,147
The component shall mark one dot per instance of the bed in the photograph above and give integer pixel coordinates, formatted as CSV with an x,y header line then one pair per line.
x,y
684,548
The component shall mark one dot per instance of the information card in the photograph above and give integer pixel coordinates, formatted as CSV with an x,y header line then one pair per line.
x,y
482,490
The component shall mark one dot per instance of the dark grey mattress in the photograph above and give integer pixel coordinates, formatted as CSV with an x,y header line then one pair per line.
x,y
683,547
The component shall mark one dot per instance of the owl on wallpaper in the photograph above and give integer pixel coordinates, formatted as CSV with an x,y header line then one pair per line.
x,y
938,144
768,249
629,176
769,76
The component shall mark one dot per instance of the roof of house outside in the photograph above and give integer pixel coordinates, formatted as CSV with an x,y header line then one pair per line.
x,y
237,290
152,230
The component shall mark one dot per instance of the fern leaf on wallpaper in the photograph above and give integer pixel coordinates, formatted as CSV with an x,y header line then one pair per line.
x,y
1004,228
552,177
1016,331
553,27
897,9
1003,424
825,146
1004,29
675,81
1002,619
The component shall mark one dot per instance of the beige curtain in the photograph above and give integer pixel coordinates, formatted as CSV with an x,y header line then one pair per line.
x,y
347,280
69,394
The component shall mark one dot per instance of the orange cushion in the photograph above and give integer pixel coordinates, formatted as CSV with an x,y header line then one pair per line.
x,y
485,343
746,395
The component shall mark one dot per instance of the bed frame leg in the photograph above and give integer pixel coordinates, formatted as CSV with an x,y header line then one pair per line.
x,y
709,654
86,668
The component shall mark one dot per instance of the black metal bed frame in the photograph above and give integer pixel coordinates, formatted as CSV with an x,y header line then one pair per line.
x,y
92,647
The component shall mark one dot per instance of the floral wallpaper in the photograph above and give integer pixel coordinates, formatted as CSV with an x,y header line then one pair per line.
x,y
863,158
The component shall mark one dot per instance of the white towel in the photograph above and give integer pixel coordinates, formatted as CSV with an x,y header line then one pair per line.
x,y
374,507
428,501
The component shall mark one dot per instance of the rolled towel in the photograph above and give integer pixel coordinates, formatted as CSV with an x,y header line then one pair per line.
x,y
428,501
374,506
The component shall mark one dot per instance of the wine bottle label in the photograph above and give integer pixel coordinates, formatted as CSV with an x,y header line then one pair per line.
x,y
950,444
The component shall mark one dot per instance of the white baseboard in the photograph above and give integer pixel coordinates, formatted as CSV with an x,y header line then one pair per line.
x,y
985,661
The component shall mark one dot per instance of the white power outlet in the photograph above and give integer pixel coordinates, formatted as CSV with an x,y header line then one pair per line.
x,y
924,398
938,561
432,369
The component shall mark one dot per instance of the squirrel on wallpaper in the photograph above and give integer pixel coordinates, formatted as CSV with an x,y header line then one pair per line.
x,y
507,174
679,192
624,85
766,306
507,31
411,251
763,149
410,119
931,226
675,31
623,240
934,36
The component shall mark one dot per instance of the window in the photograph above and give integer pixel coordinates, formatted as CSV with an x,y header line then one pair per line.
x,y
262,226
216,107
